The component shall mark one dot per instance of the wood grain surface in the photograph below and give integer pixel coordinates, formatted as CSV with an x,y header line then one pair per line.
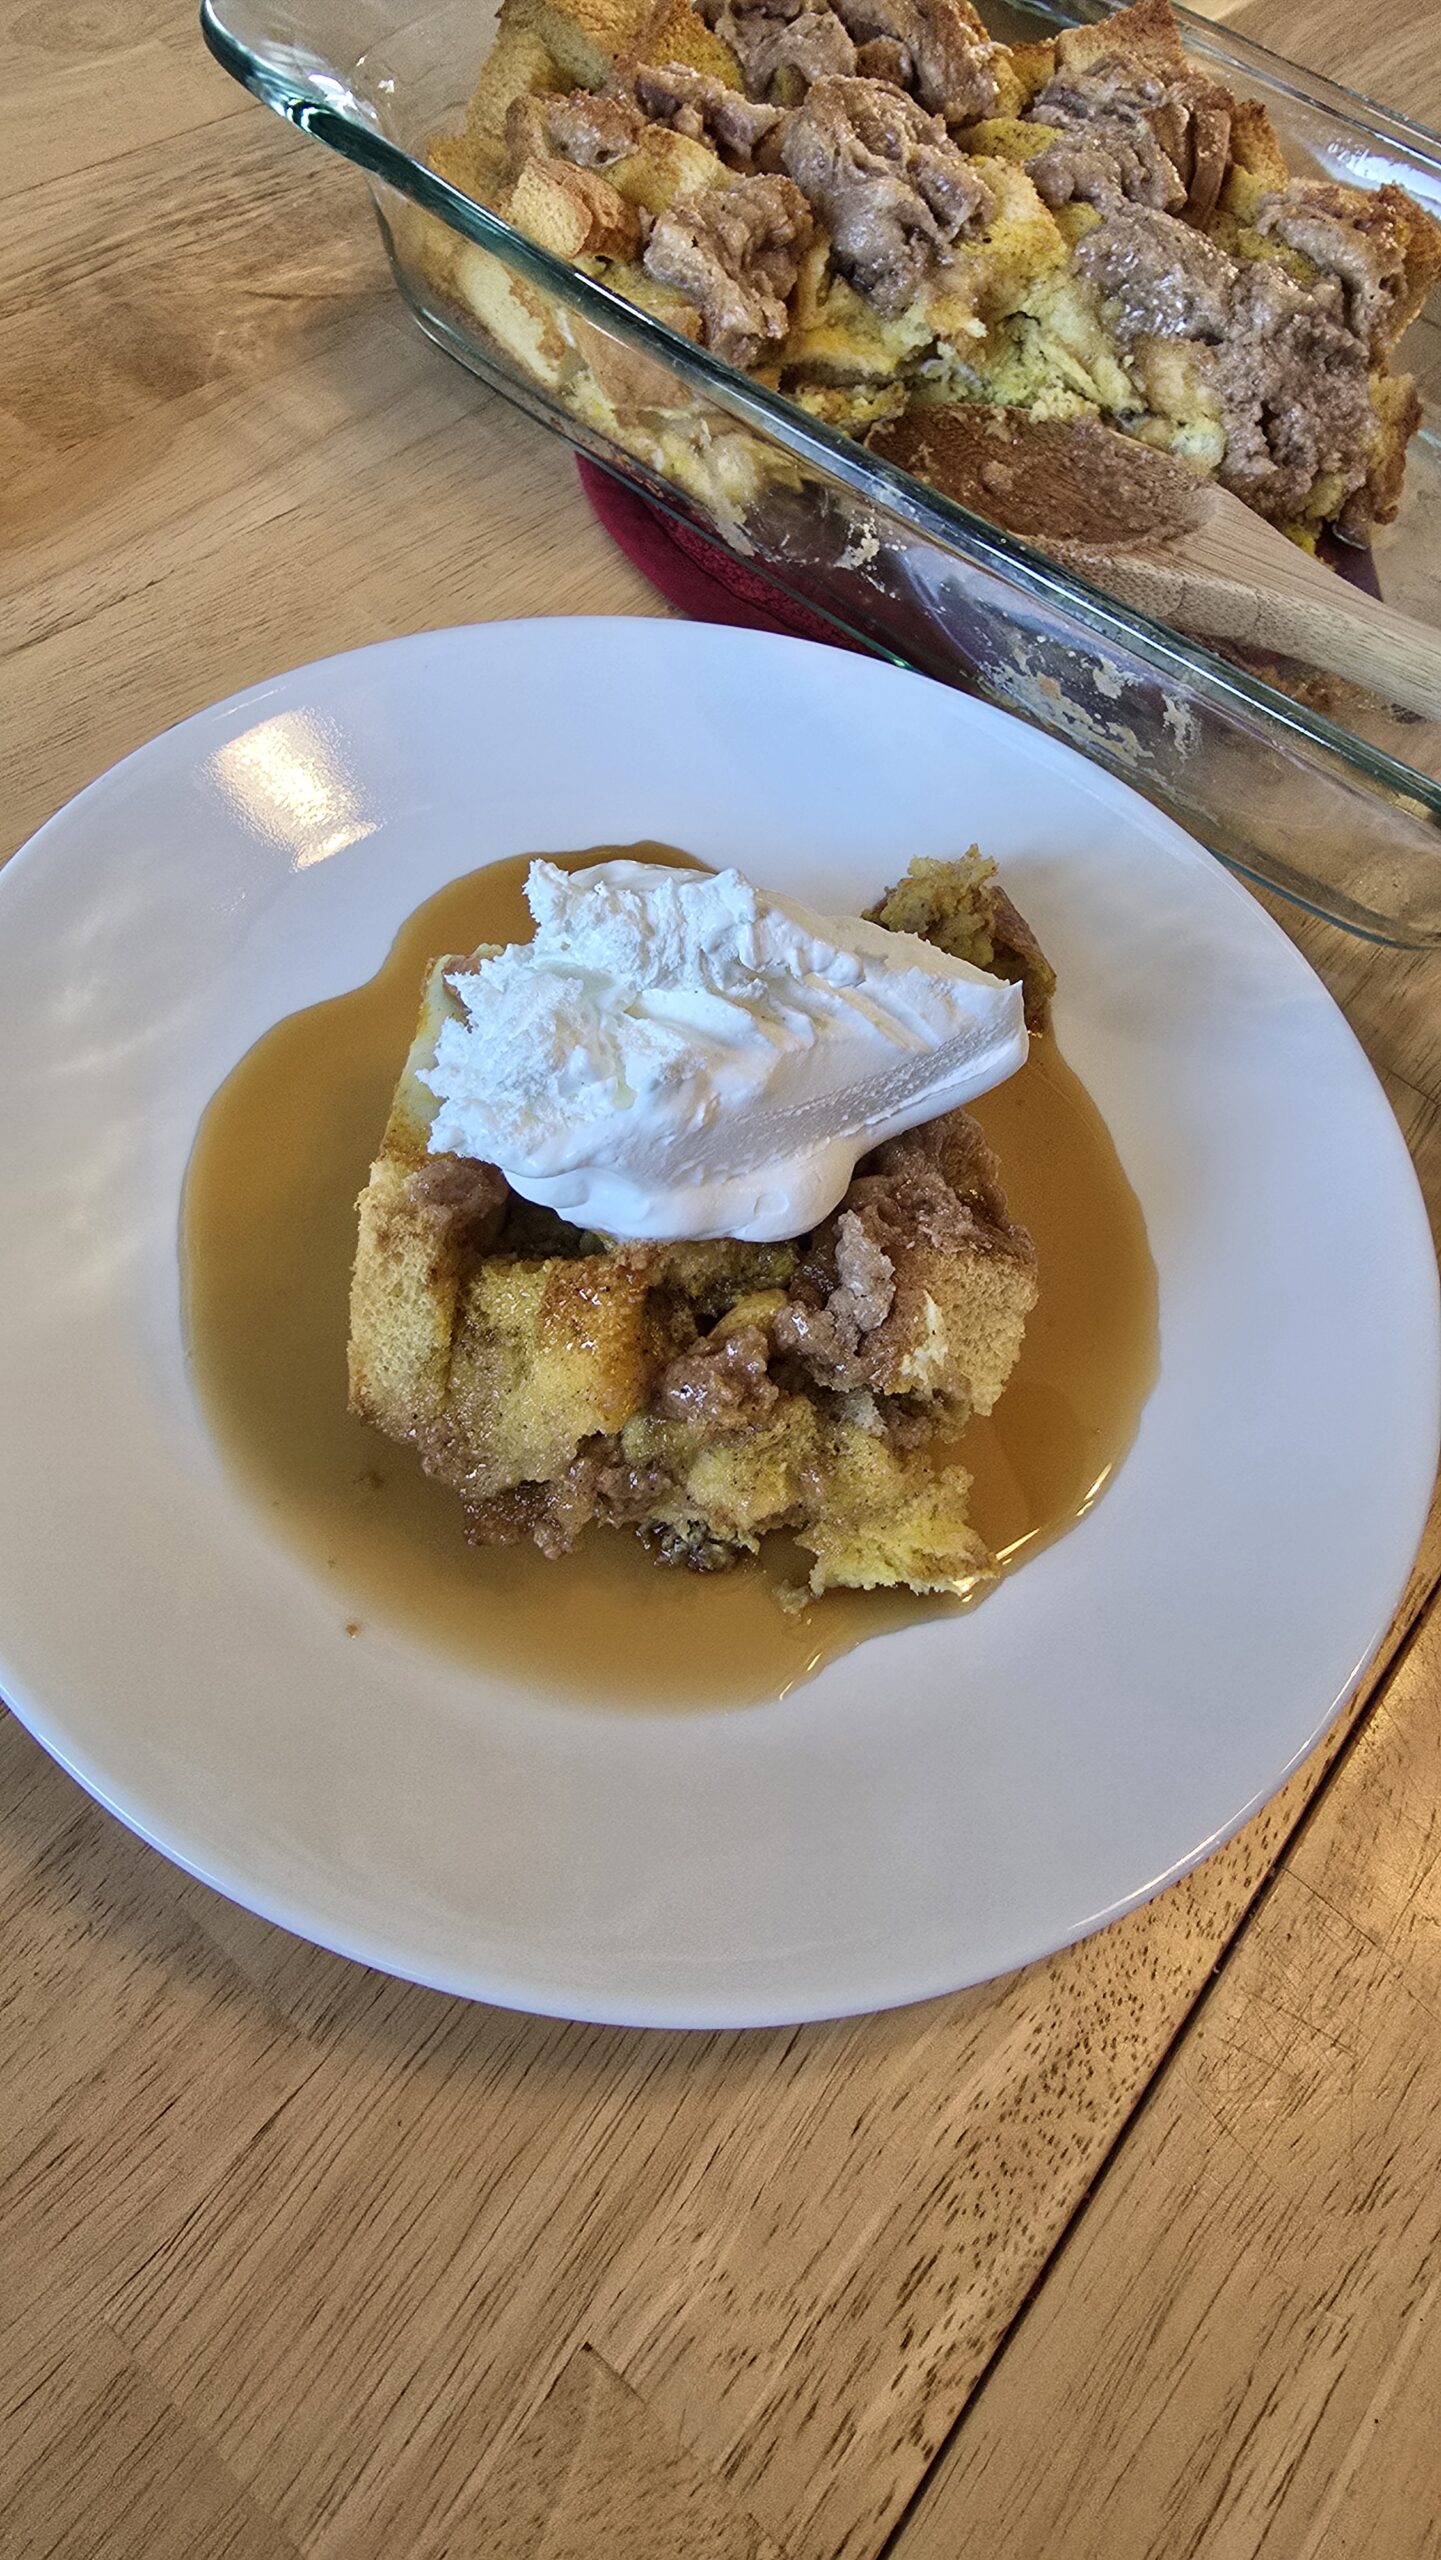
x,y
1132,2253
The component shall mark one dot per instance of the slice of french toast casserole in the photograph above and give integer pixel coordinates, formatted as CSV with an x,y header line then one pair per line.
x,y
704,1394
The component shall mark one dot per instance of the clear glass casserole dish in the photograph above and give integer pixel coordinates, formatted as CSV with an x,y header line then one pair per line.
x,y
1342,816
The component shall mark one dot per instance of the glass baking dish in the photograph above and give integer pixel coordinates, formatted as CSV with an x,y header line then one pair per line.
x,y
1342,815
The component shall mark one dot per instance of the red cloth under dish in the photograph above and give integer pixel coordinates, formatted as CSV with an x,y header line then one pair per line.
x,y
708,582
699,577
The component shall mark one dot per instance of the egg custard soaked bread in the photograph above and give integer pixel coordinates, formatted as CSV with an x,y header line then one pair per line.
x,y
707,1392
870,206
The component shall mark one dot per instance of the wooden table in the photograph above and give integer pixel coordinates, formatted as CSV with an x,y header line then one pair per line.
x,y
1134,2253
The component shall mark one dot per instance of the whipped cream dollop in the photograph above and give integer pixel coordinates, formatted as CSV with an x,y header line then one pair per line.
x,y
680,1054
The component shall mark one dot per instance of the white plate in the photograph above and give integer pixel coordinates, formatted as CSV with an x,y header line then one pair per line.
x,y
941,1804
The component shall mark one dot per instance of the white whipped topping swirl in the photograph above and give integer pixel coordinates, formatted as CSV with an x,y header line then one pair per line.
x,y
680,1054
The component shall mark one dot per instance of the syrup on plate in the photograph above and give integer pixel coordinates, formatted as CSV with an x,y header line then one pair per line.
x,y
268,1240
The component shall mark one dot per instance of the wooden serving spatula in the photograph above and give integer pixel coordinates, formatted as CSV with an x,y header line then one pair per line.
x,y
1158,537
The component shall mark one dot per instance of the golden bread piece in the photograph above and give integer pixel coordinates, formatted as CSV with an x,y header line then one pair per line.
x,y
896,1518
919,1285
520,64
962,908
1028,68
524,322
704,1394
575,213
662,167
1146,34
1256,153
473,162
544,1356
587,38
843,341
1017,244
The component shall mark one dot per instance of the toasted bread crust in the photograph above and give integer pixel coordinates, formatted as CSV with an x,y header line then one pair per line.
x,y
1146,33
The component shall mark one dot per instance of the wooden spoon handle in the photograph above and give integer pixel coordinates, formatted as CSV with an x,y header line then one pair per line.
x,y
1179,548
1257,589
